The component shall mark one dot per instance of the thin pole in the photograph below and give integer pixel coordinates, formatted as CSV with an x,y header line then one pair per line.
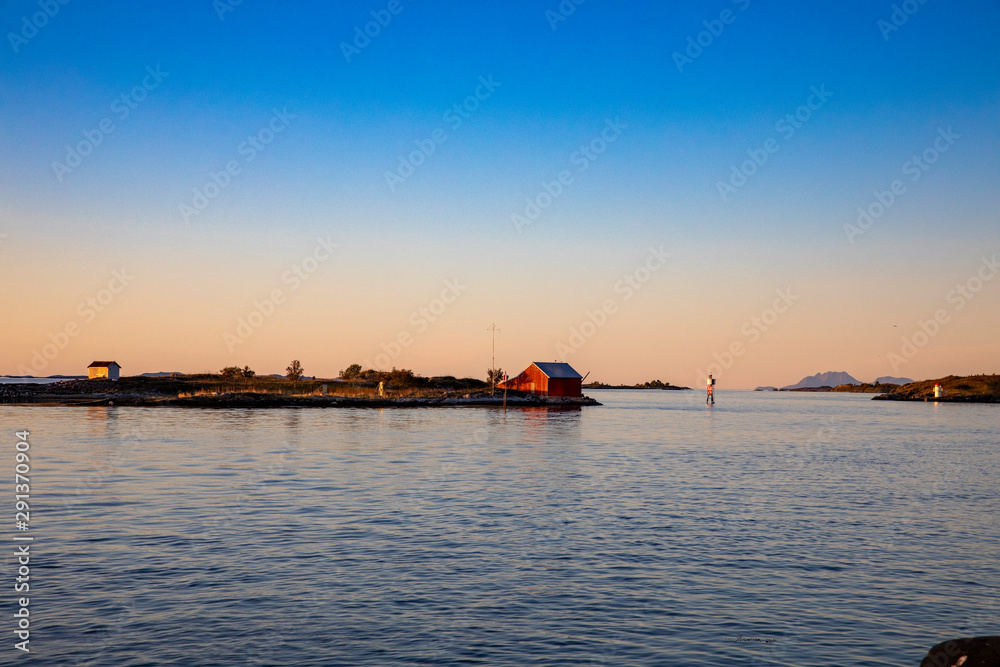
x,y
493,360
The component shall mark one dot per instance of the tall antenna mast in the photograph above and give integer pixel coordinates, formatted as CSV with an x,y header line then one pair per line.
x,y
493,359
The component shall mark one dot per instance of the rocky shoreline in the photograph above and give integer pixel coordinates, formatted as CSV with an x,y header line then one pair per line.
x,y
955,389
86,394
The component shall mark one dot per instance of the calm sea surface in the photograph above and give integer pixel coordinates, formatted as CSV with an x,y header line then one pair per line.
x,y
772,529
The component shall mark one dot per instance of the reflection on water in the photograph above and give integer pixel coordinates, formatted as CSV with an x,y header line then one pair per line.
x,y
650,531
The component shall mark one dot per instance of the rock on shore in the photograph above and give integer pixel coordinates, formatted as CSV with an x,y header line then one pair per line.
x,y
968,652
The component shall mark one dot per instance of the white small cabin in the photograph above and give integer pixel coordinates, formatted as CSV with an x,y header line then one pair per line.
x,y
104,369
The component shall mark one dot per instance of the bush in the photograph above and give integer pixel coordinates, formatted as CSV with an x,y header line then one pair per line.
x,y
402,377
352,372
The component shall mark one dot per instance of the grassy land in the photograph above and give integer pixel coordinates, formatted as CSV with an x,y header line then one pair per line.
x,y
960,389
214,391
866,388
205,384
211,389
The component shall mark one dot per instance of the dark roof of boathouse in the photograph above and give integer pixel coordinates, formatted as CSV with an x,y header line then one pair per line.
x,y
555,369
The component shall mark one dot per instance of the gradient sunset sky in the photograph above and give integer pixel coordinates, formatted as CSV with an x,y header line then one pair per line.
x,y
309,115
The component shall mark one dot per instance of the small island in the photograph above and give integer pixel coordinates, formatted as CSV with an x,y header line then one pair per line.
x,y
652,384
242,388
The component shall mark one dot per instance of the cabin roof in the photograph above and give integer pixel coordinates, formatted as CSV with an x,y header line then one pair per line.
x,y
555,369
103,364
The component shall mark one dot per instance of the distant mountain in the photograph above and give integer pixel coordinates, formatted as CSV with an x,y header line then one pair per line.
x,y
888,379
161,374
828,379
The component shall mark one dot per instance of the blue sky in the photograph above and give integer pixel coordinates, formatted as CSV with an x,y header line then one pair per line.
x,y
346,124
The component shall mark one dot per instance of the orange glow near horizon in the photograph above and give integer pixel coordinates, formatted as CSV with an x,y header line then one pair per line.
x,y
617,320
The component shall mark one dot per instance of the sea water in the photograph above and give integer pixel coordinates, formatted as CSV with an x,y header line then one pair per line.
x,y
770,529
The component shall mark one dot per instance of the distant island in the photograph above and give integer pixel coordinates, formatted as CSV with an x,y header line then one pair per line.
x,y
888,379
955,389
44,377
841,381
652,384
820,380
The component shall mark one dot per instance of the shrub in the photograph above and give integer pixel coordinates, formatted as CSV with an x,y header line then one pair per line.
x,y
351,372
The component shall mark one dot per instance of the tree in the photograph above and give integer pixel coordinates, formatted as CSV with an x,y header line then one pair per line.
x,y
494,376
248,374
230,373
351,372
294,371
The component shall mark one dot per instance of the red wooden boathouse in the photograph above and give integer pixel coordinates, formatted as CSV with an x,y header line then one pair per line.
x,y
547,378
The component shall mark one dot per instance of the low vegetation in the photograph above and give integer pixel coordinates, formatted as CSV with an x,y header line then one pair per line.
x,y
867,388
654,384
353,381
244,382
